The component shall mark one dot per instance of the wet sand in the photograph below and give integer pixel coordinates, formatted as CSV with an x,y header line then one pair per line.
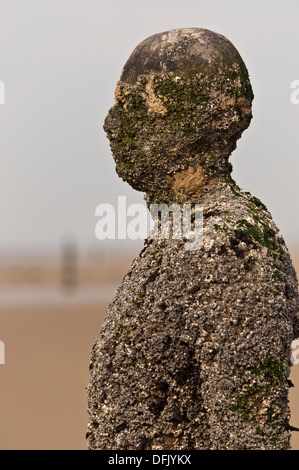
x,y
48,332
47,344
43,396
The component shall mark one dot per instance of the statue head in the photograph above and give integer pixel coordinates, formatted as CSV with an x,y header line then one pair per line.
x,y
181,103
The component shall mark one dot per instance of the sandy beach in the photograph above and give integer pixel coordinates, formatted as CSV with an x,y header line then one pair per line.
x,y
48,334
43,396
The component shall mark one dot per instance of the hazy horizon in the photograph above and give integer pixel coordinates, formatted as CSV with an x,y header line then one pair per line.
x,y
60,62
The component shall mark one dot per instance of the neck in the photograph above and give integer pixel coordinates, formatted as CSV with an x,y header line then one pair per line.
x,y
191,186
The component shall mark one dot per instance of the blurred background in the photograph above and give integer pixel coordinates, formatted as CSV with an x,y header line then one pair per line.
x,y
60,62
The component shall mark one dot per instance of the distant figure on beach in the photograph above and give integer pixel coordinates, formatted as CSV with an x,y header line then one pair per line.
x,y
194,352
69,274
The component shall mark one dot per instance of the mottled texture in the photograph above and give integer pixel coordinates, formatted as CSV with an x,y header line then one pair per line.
x,y
194,352
190,112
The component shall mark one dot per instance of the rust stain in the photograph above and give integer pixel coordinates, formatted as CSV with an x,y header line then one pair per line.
x,y
153,102
188,182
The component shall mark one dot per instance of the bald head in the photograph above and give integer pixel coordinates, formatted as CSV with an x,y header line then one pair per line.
x,y
182,101
184,51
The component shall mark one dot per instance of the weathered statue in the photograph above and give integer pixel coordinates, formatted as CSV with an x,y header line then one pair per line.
x,y
194,352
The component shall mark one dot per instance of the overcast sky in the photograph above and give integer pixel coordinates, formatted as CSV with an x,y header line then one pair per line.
x,y
60,61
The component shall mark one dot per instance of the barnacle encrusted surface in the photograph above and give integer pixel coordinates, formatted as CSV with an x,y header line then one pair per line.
x,y
194,352
183,99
